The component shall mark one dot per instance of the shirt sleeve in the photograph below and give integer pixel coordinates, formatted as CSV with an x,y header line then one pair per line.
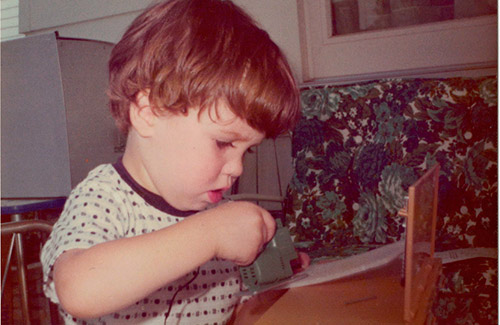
x,y
90,216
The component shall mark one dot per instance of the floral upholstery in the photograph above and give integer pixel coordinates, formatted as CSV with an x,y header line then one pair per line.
x,y
357,149
468,293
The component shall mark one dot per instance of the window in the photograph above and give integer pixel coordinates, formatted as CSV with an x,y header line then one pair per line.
x,y
465,46
352,16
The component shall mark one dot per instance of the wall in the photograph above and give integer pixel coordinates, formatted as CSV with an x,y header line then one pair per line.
x,y
107,20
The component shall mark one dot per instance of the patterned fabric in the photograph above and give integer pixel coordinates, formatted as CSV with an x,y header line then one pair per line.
x,y
357,149
468,293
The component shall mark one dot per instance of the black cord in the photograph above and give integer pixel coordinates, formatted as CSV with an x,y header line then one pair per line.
x,y
179,290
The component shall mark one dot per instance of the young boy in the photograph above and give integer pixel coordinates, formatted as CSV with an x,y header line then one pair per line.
x,y
194,84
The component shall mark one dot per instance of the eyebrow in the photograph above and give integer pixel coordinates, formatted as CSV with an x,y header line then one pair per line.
x,y
235,134
238,136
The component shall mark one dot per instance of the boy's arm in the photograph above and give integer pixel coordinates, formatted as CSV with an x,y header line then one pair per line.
x,y
113,275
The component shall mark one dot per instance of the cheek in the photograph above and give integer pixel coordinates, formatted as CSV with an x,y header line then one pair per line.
x,y
201,165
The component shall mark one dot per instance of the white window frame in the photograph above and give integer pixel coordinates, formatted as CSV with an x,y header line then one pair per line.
x,y
463,46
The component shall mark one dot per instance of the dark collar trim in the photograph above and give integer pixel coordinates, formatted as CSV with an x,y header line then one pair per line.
x,y
151,198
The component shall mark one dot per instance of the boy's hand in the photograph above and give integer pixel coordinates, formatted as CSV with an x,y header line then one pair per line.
x,y
304,260
240,229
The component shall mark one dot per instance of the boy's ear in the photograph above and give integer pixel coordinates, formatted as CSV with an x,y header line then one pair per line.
x,y
142,116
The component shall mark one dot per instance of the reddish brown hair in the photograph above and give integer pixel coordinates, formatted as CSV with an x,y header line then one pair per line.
x,y
193,53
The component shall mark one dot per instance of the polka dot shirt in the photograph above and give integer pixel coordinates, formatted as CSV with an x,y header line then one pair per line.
x,y
109,205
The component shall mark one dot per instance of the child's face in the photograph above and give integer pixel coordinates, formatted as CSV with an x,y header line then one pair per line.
x,y
191,160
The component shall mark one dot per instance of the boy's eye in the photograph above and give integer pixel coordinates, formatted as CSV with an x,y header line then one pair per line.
x,y
228,144
223,144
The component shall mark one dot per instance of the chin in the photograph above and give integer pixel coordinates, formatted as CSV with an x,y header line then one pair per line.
x,y
198,206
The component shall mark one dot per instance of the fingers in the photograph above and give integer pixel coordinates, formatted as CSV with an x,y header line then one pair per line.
x,y
241,231
301,263
269,226
305,260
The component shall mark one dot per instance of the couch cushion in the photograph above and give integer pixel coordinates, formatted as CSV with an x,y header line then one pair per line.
x,y
468,293
357,149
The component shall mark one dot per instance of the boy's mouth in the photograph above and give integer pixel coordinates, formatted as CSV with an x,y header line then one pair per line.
x,y
215,196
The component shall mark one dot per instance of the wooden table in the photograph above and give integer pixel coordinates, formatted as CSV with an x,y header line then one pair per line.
x,y
373,297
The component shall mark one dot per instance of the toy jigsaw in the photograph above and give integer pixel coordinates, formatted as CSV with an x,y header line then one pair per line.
x,y
275,264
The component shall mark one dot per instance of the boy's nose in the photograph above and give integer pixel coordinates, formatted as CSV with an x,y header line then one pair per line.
x,y
233,167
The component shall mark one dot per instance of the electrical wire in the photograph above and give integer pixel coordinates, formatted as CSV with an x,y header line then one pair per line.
x,y
179,290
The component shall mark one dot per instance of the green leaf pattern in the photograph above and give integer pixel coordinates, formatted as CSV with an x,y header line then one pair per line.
x,y
357,149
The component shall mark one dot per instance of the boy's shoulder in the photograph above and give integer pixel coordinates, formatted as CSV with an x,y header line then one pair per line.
x,y
103,178
101,174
